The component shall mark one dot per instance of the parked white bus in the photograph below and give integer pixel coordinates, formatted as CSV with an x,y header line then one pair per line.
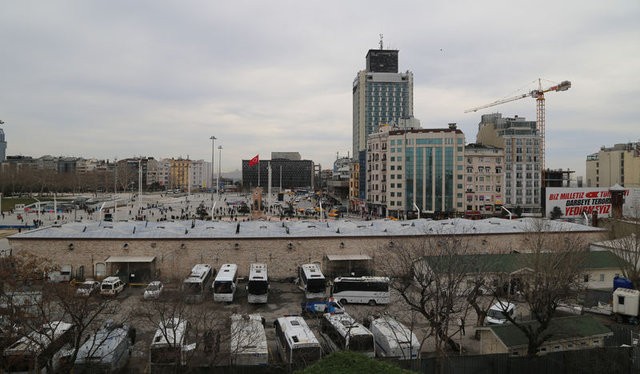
x,y
258,285
296,343
194,286
248,340
170,346
311,281
361,290
106,351
226,282
394,340
38,349
342,332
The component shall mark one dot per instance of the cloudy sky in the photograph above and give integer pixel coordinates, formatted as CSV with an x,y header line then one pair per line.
x,y
111,79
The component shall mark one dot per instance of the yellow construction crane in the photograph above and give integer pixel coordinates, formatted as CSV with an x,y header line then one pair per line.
x,y
540,114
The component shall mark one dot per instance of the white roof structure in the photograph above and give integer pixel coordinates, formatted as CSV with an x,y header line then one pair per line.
x,y
170,333
297,332
346,325
291,229
247,334
37,341
102,345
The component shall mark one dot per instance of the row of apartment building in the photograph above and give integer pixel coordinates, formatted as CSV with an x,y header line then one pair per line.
x,y
125,174
399,167
435,170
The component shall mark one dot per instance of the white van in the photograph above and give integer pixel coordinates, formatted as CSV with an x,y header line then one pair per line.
x,y
497,312
111,286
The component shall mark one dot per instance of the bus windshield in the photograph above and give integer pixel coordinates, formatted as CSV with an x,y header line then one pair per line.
x,y
192,288
258,287
165,355
222,287
361,343
316,285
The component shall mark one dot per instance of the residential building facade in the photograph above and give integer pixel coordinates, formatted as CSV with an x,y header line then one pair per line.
x,y
415,170
619,164
522,146
484,180
179,173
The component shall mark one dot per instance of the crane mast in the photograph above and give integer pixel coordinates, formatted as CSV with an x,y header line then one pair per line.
x,y
540,110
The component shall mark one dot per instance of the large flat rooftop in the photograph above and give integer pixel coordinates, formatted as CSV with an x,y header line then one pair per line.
x,y
301,229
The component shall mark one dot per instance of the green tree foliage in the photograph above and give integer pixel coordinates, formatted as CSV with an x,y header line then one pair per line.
x,y
350,362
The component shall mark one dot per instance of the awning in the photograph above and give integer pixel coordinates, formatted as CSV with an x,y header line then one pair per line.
x,y
348,257
121,259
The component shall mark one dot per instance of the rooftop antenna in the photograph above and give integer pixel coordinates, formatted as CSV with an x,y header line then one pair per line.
x,y
381,37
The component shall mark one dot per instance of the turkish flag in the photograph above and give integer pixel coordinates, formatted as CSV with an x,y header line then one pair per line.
x,y
254,161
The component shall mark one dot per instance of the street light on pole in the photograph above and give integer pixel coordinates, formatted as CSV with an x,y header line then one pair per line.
x,y
219,164
213,142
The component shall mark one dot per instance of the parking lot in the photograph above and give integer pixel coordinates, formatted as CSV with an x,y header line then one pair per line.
x,y
284,299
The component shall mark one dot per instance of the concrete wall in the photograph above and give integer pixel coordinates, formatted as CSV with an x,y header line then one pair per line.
x,y
174,258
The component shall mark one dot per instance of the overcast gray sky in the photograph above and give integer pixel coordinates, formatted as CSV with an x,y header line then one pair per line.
x,y
119,79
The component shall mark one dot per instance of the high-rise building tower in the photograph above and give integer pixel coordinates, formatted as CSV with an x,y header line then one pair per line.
x,y
381,95
522,146
3,146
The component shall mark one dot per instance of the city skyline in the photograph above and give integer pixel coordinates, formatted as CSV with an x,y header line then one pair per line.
x,y
107,80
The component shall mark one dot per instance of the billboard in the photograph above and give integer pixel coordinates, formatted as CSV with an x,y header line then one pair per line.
x,y
573,202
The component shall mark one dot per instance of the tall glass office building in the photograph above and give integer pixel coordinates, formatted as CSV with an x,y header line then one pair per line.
x,y
381,95
3,147
418,169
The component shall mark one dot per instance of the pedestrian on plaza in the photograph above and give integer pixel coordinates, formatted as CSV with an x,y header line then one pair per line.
x,y
461,325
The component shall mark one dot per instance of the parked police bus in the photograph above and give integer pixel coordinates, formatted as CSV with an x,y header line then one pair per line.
x,y
226,282
342,332
106,351
194,286
393,339
258,285
38,350
361,290
248,340
296,343
170,346
312,281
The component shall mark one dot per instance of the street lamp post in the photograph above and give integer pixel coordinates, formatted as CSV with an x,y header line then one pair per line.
x,y
219,165
213,142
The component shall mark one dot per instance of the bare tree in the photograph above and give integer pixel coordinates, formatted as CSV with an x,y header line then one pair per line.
x,y
85,313
554,266
625,243
204,330
430,276
32,302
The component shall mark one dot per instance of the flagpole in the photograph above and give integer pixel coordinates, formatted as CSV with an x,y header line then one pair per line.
x,y
258,173
269,183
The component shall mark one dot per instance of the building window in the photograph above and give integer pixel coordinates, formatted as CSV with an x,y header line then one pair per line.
x,y
601,277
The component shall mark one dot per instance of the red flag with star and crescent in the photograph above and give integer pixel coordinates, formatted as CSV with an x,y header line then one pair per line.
x,y
254,161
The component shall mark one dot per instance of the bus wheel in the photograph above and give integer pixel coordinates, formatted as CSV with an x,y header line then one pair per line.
x,y
372,302
343,301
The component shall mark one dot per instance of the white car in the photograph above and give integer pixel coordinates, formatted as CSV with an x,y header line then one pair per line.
x,y
153,290
87,288
111,286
